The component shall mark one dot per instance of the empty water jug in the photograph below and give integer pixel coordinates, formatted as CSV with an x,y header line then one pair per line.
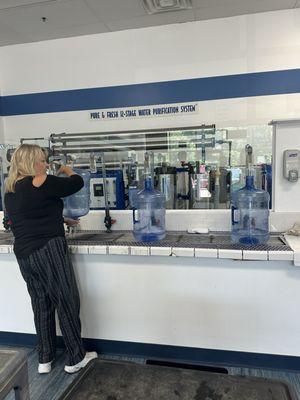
x,y
78,204
150,207
250,214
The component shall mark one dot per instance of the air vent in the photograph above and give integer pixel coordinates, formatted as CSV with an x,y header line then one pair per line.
x,y
159,6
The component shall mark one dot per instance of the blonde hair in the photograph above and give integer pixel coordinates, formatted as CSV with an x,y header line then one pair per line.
x,y
22,164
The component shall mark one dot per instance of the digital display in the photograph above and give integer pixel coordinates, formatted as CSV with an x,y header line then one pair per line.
x,y
98,189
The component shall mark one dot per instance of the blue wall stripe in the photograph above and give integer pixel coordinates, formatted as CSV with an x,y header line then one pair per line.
x,y
187,90
188,355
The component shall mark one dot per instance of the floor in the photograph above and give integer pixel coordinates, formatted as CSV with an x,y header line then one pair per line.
x,y
51,386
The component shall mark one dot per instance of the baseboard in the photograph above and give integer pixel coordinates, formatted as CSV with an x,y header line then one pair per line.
x,y
178,354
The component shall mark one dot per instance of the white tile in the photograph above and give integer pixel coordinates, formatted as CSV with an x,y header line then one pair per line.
x,y
281,255
161,251
98,249
4,249
82,250
255,255
297,258
139,251
183,252
206,253
234,254
118,250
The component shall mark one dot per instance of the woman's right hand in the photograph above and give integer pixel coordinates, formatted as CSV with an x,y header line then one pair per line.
x,y
65,169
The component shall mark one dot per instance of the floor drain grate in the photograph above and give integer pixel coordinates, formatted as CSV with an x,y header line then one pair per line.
x,y
197,367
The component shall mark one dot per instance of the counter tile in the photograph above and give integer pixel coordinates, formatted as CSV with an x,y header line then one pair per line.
x,y
281,255
139,251
297,258
99,249
160,251
183,252
4,249
118,250
255,255
234,254
206,253
82,249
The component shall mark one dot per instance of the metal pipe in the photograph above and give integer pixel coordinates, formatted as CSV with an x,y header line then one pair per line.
x,y
116,147
54,137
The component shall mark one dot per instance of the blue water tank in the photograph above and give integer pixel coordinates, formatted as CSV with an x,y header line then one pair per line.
x,y
78,204
250,214
151,210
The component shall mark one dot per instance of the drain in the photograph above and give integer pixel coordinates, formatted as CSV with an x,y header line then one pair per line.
x,y
206,368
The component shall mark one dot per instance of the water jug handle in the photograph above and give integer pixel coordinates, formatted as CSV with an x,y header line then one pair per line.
x,y
133,216
232,215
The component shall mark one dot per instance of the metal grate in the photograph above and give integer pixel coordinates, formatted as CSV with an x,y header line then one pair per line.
x,y
214,240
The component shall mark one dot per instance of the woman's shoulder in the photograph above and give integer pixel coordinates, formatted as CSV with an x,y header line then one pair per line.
x,y
26,180
39,180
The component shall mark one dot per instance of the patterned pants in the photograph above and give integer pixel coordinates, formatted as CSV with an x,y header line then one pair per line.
x,y
51,283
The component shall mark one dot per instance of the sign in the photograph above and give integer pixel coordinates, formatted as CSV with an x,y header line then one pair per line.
x,y
165,110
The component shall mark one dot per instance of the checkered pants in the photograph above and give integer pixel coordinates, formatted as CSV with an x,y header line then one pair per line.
x,y
51,283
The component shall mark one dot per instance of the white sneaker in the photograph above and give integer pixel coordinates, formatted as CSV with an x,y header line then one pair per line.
x,y
89,356
45,368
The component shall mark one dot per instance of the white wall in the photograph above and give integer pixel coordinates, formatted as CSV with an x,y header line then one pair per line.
x,y
204,303
286,136
251,43
1,130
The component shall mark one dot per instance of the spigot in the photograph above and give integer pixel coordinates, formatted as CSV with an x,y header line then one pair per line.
x,y
108,222
6,222
71,230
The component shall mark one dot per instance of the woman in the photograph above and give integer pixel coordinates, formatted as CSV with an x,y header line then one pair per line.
x,y
33,203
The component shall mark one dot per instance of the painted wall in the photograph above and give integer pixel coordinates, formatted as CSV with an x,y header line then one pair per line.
x,y
215,48
1,121
1,130
195,303
286,136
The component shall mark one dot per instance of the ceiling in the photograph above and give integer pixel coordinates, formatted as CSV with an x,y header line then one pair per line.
x,y
23,21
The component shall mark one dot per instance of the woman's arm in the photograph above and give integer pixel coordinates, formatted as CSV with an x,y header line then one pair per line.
x,y
71,222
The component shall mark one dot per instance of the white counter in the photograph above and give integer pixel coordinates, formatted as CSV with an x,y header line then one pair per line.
x,y
188,300
144,250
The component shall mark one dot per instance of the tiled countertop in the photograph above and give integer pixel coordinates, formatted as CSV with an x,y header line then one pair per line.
x,y
177,244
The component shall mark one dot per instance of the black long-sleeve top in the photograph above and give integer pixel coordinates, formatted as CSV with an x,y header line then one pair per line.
x,y
36,212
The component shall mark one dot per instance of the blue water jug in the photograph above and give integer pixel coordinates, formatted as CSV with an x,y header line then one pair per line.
x,y
250,214
78,204
151,210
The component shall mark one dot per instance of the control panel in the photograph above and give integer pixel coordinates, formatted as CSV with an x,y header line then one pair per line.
x,y
114,190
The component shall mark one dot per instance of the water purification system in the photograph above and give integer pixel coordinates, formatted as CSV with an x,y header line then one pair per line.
x,y
166,183
250,210
199,187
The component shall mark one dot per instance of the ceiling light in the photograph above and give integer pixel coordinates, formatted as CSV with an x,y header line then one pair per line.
x,y
158,6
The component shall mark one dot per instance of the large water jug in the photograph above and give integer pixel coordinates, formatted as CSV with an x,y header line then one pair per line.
x,y
78,204
151,210
250,214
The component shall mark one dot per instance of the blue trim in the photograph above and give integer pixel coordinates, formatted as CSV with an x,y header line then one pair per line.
x,y
187,355
187,90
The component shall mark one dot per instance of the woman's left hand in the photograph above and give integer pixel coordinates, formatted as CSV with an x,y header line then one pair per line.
x,y
71,222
